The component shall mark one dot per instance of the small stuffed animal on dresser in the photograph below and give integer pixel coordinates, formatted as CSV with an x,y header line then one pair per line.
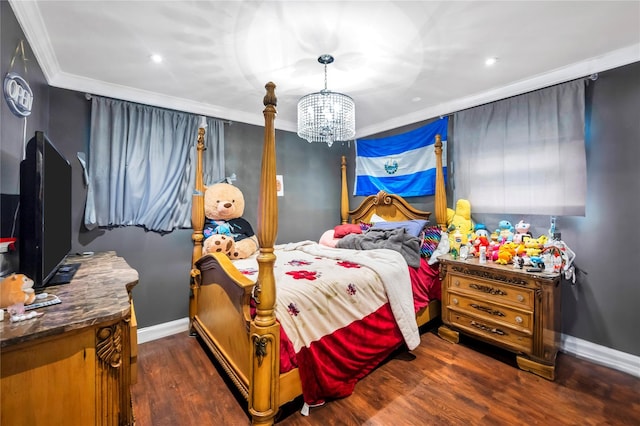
x,y
225,230
521,231
16,288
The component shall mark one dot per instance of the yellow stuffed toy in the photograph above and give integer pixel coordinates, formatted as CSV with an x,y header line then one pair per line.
x,y
225,230
16,288
460,220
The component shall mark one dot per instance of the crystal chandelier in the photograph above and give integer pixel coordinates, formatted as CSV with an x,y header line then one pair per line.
x,y
326,116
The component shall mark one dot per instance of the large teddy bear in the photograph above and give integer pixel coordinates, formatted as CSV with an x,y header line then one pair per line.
x,y
224,229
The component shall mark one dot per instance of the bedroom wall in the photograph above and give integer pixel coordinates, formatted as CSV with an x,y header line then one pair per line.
x,y
12,127
600,308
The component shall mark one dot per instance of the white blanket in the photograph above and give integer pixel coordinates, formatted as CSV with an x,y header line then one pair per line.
x,y
390,267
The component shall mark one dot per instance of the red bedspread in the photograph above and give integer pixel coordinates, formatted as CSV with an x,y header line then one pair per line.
x,y
341,312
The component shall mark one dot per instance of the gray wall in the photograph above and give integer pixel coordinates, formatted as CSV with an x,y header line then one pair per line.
x,y
600,308
12,126
311,174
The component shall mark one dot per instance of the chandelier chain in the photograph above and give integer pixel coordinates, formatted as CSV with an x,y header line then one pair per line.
x,y
325,77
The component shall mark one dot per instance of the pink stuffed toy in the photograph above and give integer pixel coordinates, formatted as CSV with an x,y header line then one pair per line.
x,y
522,229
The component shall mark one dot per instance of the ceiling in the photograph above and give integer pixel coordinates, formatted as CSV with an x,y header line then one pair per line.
x,y
401,61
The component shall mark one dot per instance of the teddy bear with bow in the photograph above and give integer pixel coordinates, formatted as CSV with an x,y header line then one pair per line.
x,y
225,230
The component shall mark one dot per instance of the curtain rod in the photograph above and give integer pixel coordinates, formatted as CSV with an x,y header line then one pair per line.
x,y
88,97
592,77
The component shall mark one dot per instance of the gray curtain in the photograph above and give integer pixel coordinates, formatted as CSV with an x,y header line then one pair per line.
x,y
141,163
525,154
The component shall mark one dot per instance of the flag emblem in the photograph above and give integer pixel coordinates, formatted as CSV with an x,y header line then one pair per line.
x,y
391,166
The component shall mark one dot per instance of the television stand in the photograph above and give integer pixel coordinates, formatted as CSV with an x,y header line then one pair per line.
x,y
75,364
64,274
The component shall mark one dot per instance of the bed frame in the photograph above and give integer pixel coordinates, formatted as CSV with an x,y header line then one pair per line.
x,y
219,310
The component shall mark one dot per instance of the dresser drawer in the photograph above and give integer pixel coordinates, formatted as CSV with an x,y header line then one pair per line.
x,y
490,331
519,319
521,297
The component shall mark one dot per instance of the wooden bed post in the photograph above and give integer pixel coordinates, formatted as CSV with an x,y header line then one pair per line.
x,y
197,223
264,330
441,194
344,194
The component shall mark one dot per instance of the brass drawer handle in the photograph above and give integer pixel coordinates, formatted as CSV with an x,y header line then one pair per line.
x,y
487,328
488,289
519,319
456,283
455,301
487,309
520,298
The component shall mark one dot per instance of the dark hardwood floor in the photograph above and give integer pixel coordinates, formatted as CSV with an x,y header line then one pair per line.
x,y
444,384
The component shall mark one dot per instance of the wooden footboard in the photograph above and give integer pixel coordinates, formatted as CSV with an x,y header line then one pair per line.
x,y
222,315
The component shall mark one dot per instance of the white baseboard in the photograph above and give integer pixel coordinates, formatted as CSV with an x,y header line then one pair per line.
x,y
568,344
159,331
602,355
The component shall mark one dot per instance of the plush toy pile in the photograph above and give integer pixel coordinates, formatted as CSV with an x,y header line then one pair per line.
x,y
225,230
508,244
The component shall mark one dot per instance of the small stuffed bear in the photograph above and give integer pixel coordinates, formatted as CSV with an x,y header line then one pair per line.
x,y
16,288
225,230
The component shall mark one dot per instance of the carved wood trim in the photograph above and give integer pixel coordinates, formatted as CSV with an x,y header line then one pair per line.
x,y
381,199
490,275
109,345
260,345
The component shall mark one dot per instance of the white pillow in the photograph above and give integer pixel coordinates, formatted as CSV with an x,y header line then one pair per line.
x,y
375,219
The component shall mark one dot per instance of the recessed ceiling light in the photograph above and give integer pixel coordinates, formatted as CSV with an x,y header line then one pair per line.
x,y
491,61
156,58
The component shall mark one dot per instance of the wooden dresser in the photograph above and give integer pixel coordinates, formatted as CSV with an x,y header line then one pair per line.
x,y
505,306
74,364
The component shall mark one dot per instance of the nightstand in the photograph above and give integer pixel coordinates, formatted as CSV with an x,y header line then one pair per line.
x,y
504,306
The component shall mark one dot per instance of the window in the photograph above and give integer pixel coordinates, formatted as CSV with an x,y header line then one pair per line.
x,y
525,154
141,164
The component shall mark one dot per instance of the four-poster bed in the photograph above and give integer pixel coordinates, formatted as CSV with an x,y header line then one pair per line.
x,y
236,316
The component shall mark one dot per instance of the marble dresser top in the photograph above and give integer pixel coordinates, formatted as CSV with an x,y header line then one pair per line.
x,y
98,293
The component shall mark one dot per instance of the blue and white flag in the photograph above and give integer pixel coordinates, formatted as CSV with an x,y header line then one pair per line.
x,y
403,164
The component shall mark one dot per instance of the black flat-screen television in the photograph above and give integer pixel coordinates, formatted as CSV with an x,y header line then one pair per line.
x,y
45,210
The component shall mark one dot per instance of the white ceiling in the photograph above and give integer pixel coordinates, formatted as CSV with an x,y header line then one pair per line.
x,y
401,61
